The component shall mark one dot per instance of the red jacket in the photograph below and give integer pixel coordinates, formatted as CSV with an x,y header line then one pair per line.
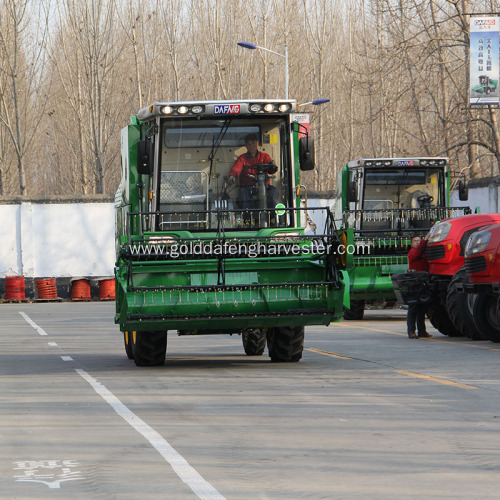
x,y
245,159
417,259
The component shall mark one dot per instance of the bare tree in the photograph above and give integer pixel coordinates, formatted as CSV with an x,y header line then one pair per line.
x,y
21,79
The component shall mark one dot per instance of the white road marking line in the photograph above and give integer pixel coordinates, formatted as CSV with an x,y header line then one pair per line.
x,y
193,479
67,358
52,344
40,330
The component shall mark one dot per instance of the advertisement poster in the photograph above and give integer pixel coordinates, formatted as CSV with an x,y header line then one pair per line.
x,y
484,61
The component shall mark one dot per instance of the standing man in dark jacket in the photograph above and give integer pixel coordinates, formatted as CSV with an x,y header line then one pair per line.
x,y
416,312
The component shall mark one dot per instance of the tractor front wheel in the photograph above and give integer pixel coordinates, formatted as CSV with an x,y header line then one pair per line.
x,y
254,341
486,316
440,320
356,311
127,340
285,344
459,306
149,348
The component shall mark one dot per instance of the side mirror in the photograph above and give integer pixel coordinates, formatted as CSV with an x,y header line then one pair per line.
x,y
145,157
352,192
463,191
306,153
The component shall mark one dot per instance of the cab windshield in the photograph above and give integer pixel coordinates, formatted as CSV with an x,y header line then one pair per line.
x,y
196,178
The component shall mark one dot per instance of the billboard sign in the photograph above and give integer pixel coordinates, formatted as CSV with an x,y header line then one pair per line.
x,y
484,61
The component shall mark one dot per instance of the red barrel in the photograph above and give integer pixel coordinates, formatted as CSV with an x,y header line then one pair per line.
x,y
80,289
46,288
15,288
107,289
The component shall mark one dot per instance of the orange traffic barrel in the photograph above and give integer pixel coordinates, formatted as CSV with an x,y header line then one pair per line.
x,y
80,289
107,289
15,288
46,288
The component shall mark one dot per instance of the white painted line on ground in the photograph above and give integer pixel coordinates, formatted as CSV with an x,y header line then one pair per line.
x,y
51,344
193,479
41,331
66,358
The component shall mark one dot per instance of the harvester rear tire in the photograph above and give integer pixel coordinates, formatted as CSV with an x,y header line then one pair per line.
x,y
459,306
357,310
440,320
485,316
285,344
149,348
127,341
254,341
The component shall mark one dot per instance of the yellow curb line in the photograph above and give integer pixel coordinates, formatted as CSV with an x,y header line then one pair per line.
x,y
401,372
443,341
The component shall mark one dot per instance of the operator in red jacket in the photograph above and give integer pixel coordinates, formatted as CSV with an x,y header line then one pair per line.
x,y
242,169
417,261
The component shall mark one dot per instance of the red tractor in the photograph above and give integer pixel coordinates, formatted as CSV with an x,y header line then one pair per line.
x,y
451,310
482,263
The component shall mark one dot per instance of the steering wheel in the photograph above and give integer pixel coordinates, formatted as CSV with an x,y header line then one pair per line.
x,y
425,198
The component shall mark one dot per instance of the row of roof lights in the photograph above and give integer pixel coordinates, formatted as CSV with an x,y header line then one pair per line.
x,y
270,107
198,109
432,162
388,163
182,110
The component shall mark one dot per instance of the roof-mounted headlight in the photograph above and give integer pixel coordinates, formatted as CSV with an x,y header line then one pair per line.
x,y
255,108
269,107
387,163
182,110
284,108
424,163
442,162
167,110
197,109
368,163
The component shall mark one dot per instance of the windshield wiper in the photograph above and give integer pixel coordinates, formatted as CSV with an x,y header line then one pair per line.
x,y
216,143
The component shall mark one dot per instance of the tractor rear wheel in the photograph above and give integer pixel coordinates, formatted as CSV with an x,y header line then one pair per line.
x,y
459,306
285,343
486,316
149,348
356,311
440,320
254,341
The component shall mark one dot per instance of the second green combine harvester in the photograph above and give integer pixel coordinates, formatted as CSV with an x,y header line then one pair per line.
x,y
197,255
380,204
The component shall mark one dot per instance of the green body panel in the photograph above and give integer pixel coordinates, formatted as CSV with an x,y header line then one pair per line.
x,y
264,294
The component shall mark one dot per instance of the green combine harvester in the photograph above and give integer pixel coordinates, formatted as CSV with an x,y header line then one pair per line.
x,y
201,250
380,204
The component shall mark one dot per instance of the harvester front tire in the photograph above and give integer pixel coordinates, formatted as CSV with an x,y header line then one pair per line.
x,y
485,316
149,348
254,341
285,344
127,341
459,306
440,320
357,310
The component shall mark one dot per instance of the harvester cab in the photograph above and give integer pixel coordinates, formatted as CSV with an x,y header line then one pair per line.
x,y
205,247
380,204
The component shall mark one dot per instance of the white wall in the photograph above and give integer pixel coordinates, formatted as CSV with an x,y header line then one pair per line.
x,y
484,197
57,239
